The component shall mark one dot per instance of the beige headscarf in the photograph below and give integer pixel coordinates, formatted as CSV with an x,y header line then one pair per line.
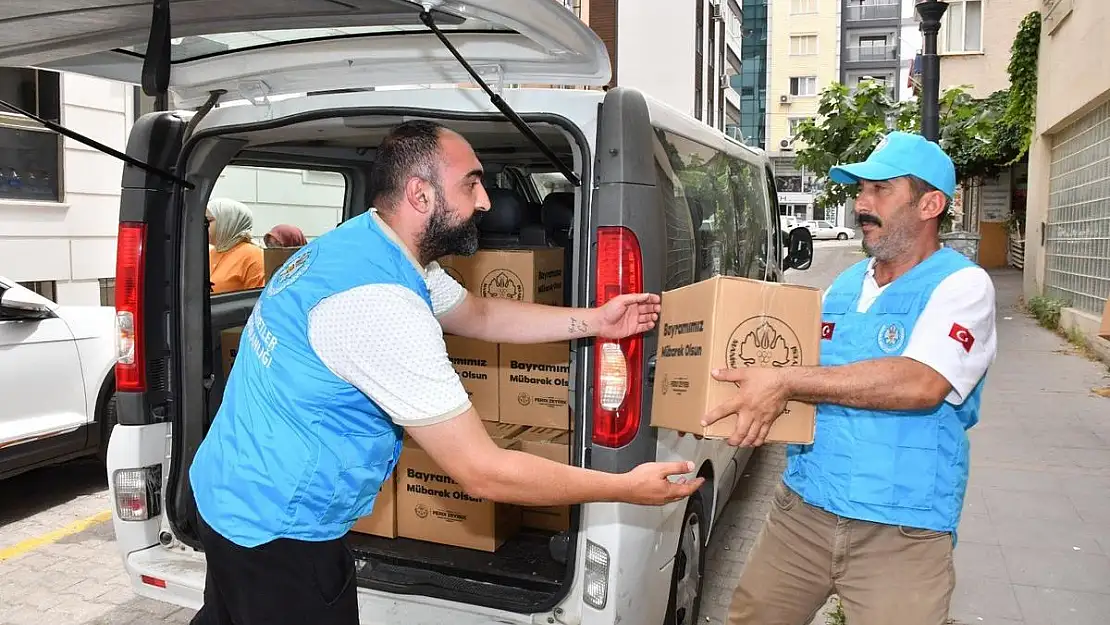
x,y
231,223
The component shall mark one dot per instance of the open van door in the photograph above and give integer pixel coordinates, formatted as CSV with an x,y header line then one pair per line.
x,y
254,49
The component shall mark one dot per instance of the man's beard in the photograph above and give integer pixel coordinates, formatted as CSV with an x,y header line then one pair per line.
x,y
894,239
444,236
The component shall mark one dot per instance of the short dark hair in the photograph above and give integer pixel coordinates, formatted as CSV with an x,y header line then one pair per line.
x,y
919,188
410,149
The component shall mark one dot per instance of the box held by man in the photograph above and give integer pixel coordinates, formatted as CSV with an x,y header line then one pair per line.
x,y
729,322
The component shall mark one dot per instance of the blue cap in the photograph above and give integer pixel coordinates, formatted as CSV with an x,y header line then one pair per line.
x,y
902,154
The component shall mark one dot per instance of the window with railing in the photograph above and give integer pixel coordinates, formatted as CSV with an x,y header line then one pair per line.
x,y
30,154
873,48
863,10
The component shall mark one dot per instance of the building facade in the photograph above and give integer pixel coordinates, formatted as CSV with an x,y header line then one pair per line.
x,y
59,199
871,33
1067,242
804,55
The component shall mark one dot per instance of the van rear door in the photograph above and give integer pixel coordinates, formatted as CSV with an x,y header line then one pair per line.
x,y
254,49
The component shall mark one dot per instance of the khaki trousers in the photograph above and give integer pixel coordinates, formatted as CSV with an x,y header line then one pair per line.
x,y
884,574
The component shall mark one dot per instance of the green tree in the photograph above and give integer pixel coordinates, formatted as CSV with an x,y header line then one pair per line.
x,y
983,136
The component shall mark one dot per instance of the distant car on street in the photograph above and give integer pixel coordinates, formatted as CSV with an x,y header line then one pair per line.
x,y
821,229
57,383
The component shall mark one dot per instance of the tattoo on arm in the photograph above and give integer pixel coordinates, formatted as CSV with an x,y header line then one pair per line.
x,y
577,326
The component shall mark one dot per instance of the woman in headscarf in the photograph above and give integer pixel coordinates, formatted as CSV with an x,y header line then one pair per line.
x,y
234,262
284,235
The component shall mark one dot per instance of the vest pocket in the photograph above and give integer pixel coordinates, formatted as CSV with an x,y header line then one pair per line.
x,y
895,461
364,462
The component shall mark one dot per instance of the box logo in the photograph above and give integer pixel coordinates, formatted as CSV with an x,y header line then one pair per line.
x,y
421,511
524,399
763,341
503,284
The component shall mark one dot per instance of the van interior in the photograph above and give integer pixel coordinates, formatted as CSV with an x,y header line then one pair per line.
x,y
530,205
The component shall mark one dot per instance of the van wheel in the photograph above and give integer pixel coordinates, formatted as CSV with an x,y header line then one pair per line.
x,y
842,236
107,424
689,566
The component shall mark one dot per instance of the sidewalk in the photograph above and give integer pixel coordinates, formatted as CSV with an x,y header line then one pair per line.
x,y
1034,544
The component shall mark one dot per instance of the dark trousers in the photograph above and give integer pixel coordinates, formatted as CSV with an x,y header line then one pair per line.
x,y
283,582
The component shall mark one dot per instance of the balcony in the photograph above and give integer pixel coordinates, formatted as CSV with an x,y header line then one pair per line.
x,y
872,54
872,11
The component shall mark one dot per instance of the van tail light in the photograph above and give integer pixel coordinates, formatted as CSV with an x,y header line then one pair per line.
x,y
138,493
618,365
130,256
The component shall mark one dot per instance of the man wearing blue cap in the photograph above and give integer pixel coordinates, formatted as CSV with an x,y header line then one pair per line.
x,y
870,509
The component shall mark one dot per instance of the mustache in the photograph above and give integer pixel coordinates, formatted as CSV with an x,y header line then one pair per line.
x,y
868,218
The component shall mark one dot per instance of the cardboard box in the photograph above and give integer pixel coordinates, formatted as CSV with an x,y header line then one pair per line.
x,y
528,274
433,507
503,431
229,346
732,322
476,363
274,257
382,521
534,385
555,446
1104,331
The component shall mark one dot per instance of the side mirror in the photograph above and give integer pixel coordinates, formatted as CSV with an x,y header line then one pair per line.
x,y
799,253
20,303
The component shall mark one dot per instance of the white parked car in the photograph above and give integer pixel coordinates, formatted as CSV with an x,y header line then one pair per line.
x,y
821,229
622,228
57,389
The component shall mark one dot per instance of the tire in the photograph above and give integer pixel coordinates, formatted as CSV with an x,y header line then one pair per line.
x,y
842,236
107,424
689,566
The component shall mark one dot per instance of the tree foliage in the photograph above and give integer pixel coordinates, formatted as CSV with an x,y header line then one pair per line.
x,y
983,136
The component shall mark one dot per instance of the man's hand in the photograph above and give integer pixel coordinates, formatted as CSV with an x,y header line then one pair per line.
x,y
628,315
649,484
760,400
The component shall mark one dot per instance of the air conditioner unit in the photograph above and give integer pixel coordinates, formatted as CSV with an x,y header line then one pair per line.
x,y
785,144
726,81
785,98
716,13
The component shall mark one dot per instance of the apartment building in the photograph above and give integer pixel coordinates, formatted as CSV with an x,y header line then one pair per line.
x,y
872,32
1067,243
804,54
685,53
974,43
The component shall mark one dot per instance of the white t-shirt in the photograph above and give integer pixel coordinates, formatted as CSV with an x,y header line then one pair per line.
x,y
384,341
955,334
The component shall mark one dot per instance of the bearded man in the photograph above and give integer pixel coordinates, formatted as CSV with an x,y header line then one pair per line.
x,y
342,353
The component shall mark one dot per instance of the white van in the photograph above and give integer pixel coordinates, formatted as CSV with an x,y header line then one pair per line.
x,y
657,200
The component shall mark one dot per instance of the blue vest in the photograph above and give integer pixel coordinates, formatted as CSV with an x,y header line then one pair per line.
x,y
295,451
893,467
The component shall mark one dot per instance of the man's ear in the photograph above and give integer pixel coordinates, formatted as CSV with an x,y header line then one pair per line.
x,y
419,194
932,205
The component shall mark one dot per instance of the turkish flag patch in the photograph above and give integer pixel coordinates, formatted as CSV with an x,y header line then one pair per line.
x,y
827,330
962,336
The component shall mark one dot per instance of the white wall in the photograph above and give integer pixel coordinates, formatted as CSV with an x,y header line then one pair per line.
x,y
655,50
73,242
912,43
312,201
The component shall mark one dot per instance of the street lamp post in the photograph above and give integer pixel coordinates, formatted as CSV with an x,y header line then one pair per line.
x,y
931,12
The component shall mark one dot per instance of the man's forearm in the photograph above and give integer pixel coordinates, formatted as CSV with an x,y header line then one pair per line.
x,y
510,321
523,479
880,384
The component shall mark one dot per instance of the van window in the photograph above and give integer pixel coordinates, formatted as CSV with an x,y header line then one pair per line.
x,y
723,197
679,269
298,201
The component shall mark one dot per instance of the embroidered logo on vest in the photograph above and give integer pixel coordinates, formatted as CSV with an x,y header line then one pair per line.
x,y
827,328
293,268
892,337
